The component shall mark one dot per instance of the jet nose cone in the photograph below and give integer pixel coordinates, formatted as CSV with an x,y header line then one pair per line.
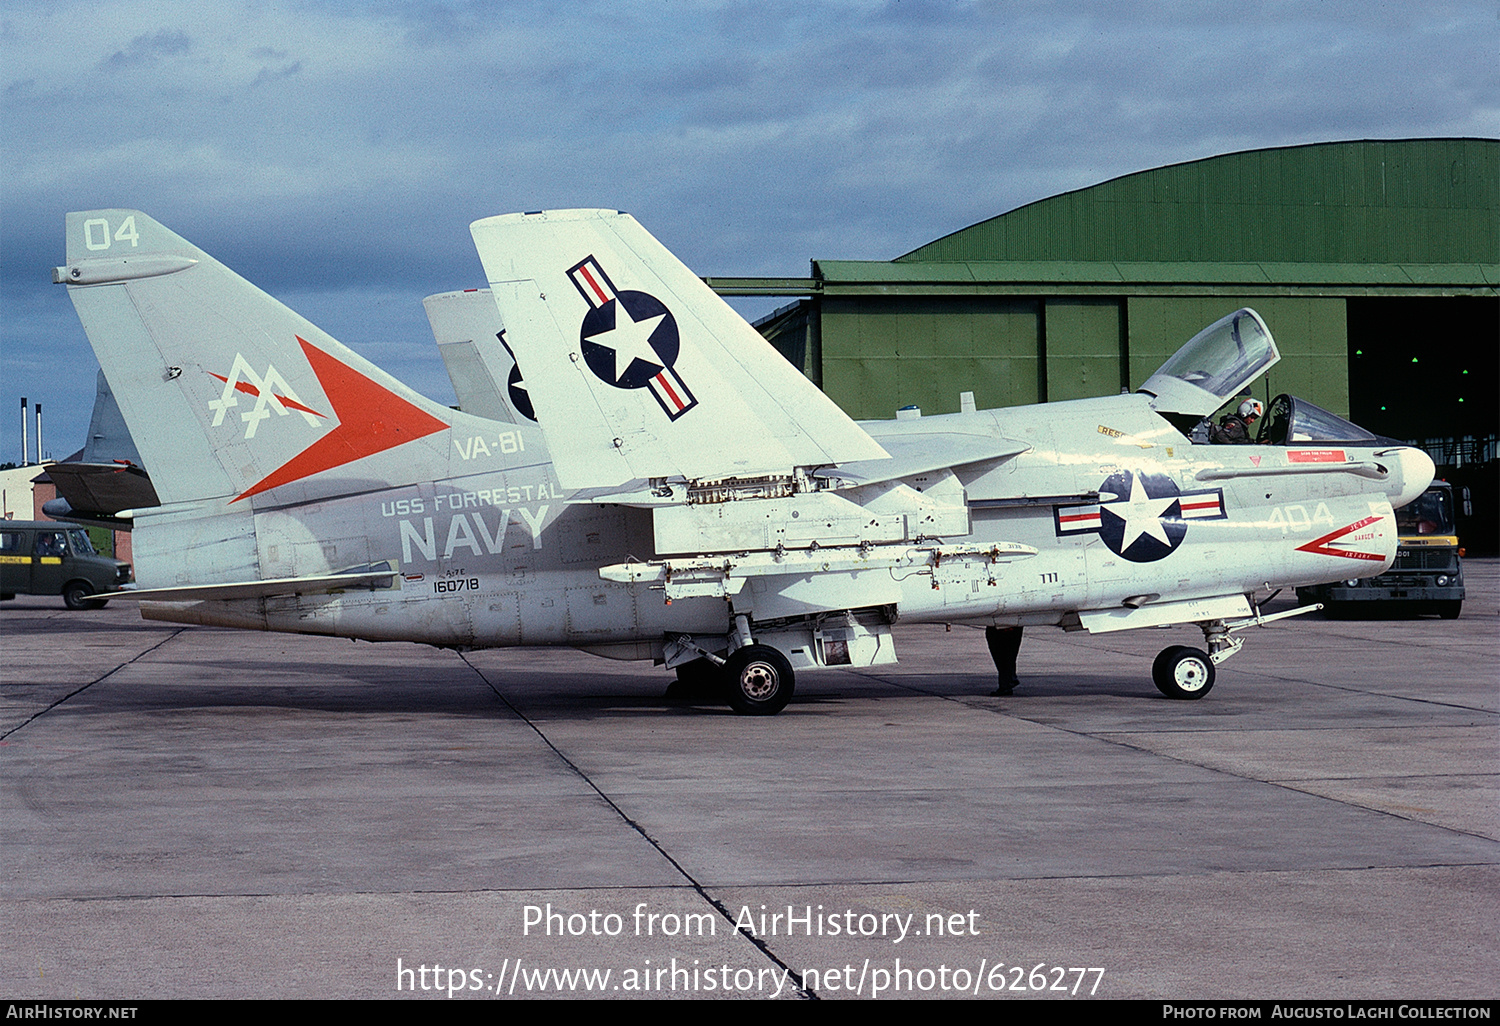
x,y
1416,470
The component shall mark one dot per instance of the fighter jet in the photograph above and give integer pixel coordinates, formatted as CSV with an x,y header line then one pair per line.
x,y
686,495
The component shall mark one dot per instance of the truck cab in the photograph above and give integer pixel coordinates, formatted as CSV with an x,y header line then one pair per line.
x,y
44,557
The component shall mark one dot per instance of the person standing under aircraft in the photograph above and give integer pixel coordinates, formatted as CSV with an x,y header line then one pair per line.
x,y
1005,645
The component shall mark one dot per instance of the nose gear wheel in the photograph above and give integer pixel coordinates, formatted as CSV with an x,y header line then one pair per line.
x,y
1183,672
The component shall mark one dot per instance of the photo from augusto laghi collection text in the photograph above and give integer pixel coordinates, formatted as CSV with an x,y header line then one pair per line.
x,y
759,972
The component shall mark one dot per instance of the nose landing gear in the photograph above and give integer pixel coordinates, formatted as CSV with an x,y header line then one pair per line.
x,y
1183,672
1188,673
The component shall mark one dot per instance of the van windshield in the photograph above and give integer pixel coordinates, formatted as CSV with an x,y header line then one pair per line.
x,y
81,544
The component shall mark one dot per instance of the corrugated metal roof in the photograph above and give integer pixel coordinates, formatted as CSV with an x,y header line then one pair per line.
x,y
1407,201
835,273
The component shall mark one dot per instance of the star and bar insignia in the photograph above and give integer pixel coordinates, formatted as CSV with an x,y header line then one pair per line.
x,y
630,339
1147,517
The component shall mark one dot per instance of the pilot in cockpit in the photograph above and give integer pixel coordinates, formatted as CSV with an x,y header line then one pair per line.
x,y
1235,428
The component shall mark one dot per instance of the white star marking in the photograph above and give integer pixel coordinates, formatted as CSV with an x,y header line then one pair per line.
x,y
629,339
1142,514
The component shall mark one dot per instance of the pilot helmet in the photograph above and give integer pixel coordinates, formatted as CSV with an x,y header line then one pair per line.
x,y
1250,410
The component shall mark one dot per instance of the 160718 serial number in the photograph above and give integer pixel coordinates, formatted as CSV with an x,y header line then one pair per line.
x,y
456,584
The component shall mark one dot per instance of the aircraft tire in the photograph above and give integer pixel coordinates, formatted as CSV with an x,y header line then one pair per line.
x,y
760,680
1183,672
1159,668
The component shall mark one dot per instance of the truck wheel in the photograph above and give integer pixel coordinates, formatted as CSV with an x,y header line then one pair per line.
x,y
1450,609
76,595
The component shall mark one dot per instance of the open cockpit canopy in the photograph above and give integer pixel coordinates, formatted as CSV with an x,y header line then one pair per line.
x,y
1213,366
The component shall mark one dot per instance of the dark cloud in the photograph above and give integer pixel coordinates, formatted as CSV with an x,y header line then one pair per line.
x,y
273,74
147,50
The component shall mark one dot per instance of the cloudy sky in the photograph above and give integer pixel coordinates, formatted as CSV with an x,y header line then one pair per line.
x,y
335,153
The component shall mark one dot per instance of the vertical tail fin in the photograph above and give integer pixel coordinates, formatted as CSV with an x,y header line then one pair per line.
x,y
637,369
471,340
228,394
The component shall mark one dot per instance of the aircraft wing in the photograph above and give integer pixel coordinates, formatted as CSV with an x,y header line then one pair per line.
x,y
637,370
912,454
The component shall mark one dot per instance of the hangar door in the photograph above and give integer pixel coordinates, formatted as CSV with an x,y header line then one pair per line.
x,y
1425,368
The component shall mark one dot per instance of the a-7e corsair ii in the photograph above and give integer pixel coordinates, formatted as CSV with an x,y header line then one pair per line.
x,y
686,495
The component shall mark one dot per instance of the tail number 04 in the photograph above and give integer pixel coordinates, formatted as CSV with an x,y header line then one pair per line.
x,y
96,233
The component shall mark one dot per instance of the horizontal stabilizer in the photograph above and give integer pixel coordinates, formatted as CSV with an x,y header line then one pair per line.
x,y
262,589
59,509
637,370
105,488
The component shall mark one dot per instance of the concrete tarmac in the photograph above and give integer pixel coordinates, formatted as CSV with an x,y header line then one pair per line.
x,y
190,812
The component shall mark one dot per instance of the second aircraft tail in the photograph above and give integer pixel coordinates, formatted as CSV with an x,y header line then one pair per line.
x,y
637,370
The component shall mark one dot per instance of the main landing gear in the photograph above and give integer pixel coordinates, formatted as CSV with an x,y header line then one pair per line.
x,y
760,680
756,679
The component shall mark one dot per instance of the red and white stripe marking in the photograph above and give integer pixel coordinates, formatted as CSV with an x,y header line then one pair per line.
x,y
592,283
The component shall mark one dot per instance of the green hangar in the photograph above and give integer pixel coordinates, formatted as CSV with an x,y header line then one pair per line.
x,y
1375,263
